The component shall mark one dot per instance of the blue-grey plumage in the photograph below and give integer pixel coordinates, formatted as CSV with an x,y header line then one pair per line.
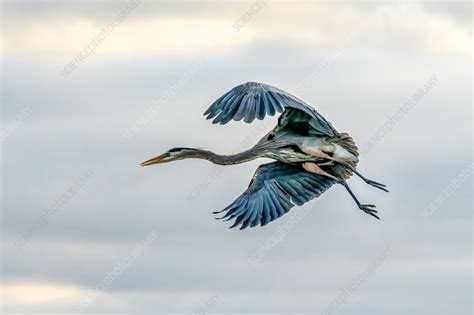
x,y
311,155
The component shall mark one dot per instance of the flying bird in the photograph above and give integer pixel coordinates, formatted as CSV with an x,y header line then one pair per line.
x,y
310,155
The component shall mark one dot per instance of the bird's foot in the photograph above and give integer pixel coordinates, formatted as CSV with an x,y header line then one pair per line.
x,y
376,185
368,209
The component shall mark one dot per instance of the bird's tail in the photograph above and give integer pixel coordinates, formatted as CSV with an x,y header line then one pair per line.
x,y
345,141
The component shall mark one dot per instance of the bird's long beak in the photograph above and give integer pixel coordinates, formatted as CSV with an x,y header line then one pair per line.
x,y
155,160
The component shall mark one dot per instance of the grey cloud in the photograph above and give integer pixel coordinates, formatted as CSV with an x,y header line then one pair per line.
x,y
77,124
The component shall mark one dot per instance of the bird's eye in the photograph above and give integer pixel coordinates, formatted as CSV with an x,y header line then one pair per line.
x,y
271,136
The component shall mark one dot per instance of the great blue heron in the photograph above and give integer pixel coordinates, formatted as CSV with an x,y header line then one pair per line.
x,y
311,155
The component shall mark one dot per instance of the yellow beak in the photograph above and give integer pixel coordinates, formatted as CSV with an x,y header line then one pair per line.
x,y
155,160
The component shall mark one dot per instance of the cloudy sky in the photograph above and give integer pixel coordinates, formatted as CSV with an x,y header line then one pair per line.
x,y
91,89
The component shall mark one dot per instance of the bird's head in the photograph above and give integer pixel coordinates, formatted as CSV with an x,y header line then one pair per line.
x,y
172,155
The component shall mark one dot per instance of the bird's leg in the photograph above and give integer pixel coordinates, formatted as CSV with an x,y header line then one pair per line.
x,y
315,169
366,208
326,163
370,182
316,153
323,155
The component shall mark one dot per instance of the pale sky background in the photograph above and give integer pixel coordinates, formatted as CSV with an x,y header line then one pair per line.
x,y
360,62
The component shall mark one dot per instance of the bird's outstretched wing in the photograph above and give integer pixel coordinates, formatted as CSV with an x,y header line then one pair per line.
x,y
256,100
275,188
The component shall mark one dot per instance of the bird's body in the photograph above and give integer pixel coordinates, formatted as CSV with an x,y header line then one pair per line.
x,y
310,154
293,151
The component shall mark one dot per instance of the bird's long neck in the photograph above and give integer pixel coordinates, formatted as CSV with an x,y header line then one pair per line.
x,y
237,158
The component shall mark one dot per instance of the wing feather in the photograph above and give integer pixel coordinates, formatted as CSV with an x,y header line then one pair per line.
x,y
275,188
256,100
269,109
250,113
242,109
